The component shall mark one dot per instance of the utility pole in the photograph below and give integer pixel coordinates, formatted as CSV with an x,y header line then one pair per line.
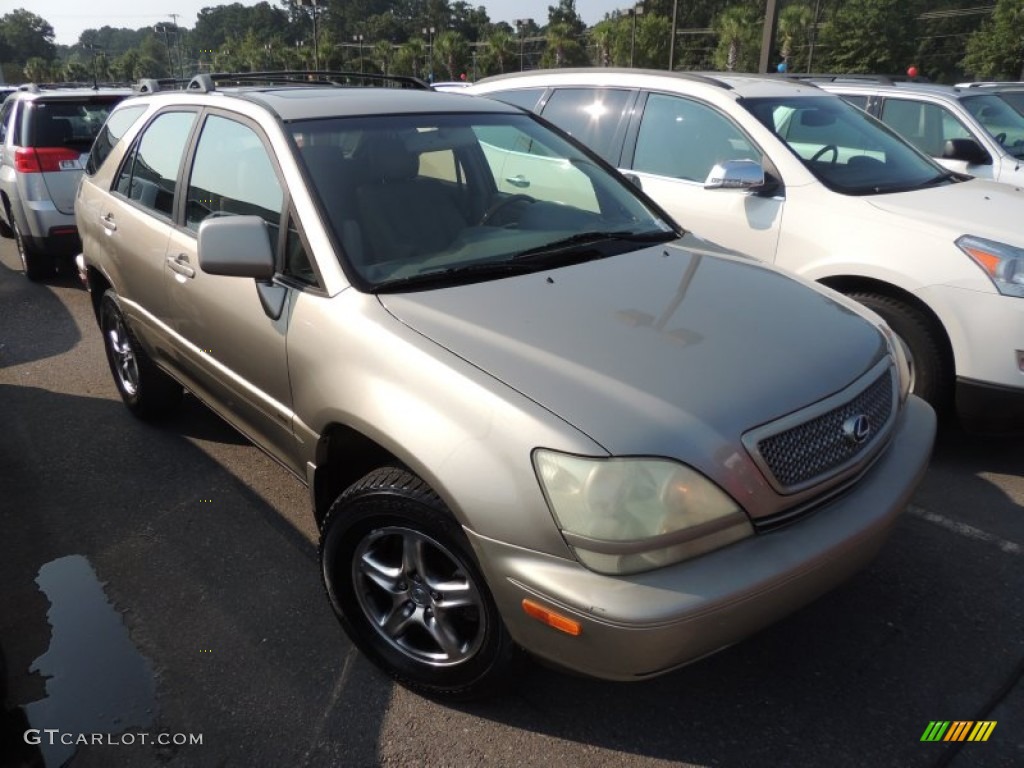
x,y
672,39
771,24
177,44
635,11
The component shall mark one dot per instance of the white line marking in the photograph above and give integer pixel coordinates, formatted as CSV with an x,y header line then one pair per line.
x,y
963,529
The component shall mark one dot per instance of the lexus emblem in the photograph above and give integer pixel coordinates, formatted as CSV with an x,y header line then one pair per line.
x,y
857,429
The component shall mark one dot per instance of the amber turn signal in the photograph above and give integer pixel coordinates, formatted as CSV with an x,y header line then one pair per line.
x,y
552,619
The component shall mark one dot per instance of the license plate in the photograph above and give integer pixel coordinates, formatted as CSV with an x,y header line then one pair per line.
x,y
71,165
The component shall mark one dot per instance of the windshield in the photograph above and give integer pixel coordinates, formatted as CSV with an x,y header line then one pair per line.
x,y
1000,119
844,147
1014,98
431,200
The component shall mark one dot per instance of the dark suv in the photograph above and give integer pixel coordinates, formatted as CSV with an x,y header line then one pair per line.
x,y
45,136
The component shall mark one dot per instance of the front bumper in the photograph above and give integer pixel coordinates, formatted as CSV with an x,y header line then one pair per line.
x,y
639,626
986,331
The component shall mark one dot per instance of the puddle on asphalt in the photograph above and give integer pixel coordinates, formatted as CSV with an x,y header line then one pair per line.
x,y
98,682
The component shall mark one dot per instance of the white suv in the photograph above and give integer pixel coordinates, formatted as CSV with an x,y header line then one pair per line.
x,y
788,173
966,128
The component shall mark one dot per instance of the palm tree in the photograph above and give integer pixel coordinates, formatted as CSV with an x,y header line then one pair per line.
x,y
795,24
382,53
737,31
603,37
413,55
451,48
501,47
559,38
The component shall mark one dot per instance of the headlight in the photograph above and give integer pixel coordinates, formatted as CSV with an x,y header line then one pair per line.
x,y
629,515
1004,264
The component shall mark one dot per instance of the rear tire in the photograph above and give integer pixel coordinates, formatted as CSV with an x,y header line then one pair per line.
x,y
401,577
933,365
36,265
148,392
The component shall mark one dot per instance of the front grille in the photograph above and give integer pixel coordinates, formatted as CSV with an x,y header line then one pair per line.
x,y
811,450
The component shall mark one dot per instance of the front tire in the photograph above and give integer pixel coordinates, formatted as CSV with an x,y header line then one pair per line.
x,y
148,392
400,575
933,369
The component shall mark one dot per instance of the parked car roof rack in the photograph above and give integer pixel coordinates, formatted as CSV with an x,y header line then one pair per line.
x,y
994,85
828,77
40,87
210,81
703,77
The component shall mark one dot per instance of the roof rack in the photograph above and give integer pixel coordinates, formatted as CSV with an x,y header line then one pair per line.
x,y
40,87
854,78
993,84
207,82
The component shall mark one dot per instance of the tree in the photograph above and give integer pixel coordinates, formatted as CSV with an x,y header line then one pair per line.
x,y
871,36
26,36
996,51
794,35
382,54
451,49
500,50
563,49
38,70
652,34
565,14
603,36
739,39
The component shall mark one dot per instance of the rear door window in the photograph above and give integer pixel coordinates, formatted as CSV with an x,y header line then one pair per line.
x,y
149,175
594,116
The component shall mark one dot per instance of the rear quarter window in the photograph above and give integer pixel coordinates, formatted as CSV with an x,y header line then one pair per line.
x,y
113,129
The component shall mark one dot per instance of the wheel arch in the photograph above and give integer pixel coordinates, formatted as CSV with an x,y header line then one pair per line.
x,y
98,285
847,284
343,456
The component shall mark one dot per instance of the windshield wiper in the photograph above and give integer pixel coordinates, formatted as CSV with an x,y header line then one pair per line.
x,y
947,176
575,242
574,247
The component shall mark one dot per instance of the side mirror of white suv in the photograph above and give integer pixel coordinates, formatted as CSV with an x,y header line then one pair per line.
x,y
736,174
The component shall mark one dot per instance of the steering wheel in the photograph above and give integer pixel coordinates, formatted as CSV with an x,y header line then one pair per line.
x,y
504,203
827,148
1001,138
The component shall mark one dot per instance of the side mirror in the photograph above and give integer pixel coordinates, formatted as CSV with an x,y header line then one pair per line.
x,y
239,246
967,150
736,174
236,246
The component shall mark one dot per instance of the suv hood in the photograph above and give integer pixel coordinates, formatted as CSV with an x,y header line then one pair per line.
x,y
975,207
647,351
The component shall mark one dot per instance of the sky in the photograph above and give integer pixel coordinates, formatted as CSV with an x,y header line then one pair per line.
x,y
69,18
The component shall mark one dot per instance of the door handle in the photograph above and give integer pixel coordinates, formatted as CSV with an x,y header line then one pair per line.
x,y
518,181
108,222
180,265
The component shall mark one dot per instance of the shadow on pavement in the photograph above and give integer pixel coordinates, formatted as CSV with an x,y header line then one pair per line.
x,y
34,323
220,593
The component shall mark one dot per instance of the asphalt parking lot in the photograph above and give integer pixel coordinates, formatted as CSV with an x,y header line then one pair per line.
x,y
161,580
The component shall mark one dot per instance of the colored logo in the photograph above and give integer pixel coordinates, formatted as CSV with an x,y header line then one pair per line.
x,y
958,730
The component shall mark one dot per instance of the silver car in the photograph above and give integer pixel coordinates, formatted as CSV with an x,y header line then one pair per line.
x,y
45,135
531,412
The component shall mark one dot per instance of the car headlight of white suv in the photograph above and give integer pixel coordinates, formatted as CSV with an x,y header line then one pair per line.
x,y
1004,264
626,515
